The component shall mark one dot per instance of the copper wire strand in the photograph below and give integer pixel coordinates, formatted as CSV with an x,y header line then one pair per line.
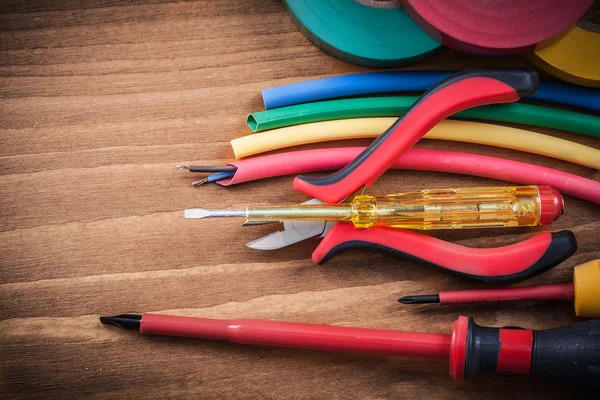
x,y
200,182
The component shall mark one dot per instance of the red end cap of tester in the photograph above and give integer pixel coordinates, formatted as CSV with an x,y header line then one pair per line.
x,y
551,204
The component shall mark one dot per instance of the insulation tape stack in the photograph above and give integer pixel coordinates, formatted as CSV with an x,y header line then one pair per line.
x,y
575,57
496,27
560,37
372,33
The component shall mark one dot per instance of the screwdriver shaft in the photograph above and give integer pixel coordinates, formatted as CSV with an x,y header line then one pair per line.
x,y
291,334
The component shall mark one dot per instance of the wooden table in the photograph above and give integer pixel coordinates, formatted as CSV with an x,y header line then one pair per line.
x,y
99,101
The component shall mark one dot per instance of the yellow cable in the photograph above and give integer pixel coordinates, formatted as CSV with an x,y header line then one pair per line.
x,y
460,131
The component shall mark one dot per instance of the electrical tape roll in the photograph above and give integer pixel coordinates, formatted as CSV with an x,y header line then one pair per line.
x,y
575,57
496,27
362,34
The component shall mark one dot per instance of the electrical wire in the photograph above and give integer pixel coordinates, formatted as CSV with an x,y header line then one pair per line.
x,y
521,113
220,175
303,161
408,81
460,131
230,171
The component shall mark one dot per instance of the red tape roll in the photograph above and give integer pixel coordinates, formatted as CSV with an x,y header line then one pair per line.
x,y
496,27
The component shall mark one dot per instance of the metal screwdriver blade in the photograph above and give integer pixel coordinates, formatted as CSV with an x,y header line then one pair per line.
x,y
201,213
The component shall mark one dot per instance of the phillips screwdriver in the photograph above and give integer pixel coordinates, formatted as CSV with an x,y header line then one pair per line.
x,y
570,353
490,207
584,292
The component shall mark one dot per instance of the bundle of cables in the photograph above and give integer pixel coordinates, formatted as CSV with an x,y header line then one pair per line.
x,y
312,112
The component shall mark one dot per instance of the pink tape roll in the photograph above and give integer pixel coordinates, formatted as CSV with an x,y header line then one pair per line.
x,y
496,27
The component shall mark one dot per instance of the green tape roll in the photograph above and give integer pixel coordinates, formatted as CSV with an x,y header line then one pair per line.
x,y
520,113
362,35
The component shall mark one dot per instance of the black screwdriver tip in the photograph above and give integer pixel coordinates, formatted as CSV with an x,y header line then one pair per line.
x,y
125,321
422,299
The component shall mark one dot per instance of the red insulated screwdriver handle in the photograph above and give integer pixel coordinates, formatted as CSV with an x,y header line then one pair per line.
x,y
494,265
569,354
454,94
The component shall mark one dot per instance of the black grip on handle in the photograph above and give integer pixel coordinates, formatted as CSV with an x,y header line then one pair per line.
x,y
396,243
569,354
525,82
483,346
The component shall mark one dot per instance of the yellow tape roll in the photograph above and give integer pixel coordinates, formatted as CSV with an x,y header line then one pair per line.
x,y
575,57
460,131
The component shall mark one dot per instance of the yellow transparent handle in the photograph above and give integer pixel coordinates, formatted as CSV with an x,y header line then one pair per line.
x,y
450,208
423,209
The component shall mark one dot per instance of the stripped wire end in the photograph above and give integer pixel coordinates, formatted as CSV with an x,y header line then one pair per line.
x,y
199,183
186,167
213,178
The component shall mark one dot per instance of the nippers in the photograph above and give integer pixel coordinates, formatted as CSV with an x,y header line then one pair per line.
x,y
504,264
456,93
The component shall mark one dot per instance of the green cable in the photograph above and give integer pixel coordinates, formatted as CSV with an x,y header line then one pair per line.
x,y
520,113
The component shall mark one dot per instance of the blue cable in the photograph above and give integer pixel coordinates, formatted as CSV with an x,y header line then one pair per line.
x,y
350,85
571,95
220,175
408,81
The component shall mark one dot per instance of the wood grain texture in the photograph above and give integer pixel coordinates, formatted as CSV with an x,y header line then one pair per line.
x,y
99,100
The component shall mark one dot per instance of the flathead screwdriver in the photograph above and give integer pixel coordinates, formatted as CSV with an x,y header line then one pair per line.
x,y
484,207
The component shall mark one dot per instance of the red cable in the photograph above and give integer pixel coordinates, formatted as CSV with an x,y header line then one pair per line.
x,y
296,162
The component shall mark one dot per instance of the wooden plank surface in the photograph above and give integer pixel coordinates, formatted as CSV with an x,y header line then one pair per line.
x,y
99,100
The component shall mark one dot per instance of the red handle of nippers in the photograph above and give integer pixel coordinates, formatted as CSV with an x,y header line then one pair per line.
x,y
456,93
495,265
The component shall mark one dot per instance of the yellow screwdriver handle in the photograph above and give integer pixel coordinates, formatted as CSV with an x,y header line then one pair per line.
x,y
451,208
586,283
488,207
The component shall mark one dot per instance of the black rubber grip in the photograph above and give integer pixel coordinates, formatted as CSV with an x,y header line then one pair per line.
x,y
483,346
569,354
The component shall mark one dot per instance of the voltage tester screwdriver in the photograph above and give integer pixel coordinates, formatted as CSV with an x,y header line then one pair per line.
x,y
570,354
486,207
584,292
